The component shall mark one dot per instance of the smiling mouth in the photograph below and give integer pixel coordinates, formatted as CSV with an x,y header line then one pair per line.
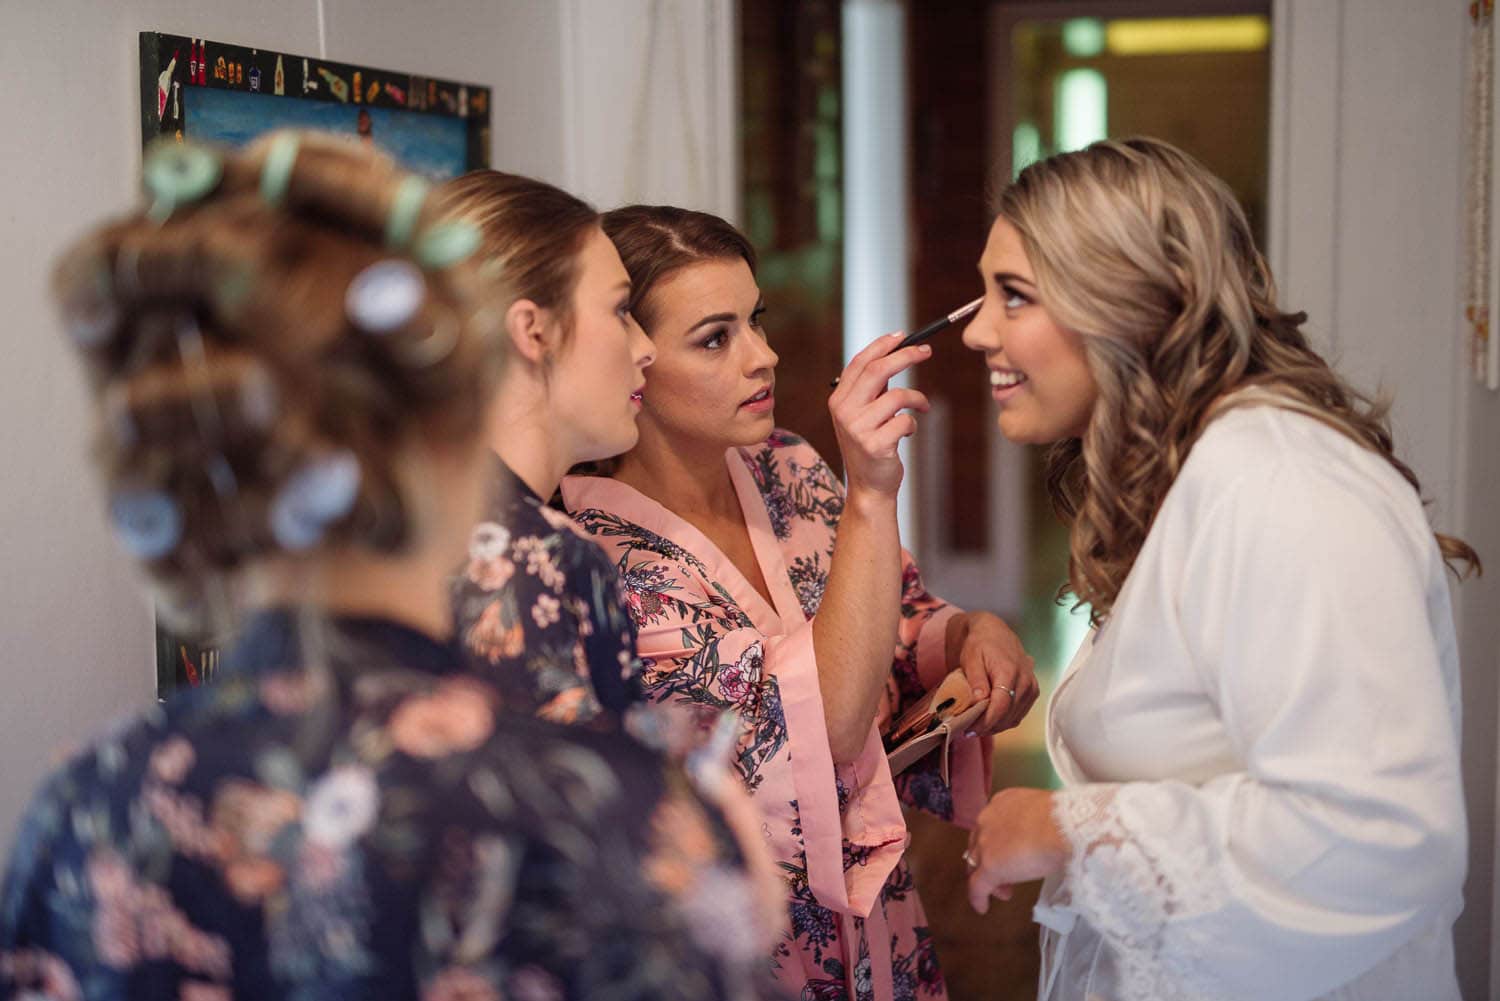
x,y
759,397
1006,379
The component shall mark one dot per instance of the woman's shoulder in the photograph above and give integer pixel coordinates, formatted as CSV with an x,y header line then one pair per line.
x,y
788,454
787,445
795,482
87,776
1292,470
618,520
101,791
579,550
1251,445
143,746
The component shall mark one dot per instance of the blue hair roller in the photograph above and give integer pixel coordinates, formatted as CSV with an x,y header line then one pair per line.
x,y
318,494
385,296
147,522
93,325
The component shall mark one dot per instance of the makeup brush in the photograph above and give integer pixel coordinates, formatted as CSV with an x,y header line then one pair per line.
x,y
935,327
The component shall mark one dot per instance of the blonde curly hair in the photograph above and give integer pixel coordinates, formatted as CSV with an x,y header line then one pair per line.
x,y
1145,253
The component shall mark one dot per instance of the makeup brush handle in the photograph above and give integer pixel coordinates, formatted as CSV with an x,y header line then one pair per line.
x,y
918,336
911,340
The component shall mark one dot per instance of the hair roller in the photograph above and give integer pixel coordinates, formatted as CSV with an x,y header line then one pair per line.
x,y
177,174
318,493
147,521
276,172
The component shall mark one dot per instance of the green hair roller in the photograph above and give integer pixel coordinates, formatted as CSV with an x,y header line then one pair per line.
x,y
446,244
276,172
401,225
177,175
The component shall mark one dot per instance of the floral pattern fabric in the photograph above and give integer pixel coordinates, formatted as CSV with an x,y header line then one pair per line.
x,y
540,613
363,822
708,639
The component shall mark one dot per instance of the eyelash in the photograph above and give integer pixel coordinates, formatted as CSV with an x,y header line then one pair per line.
x,y
716,340
1011,295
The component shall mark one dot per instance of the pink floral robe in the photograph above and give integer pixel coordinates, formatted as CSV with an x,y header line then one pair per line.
x,y
708,638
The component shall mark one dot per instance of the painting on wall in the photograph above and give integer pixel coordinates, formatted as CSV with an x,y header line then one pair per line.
x,y
233,93
230,94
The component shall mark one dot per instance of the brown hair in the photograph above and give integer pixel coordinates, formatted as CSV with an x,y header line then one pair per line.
x,y
1146,254
227,361
532,235
656,240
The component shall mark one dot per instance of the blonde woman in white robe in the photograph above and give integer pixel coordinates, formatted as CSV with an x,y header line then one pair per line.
x,y
1259,740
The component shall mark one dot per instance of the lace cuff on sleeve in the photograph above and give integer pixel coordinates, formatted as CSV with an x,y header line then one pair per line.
x,y
1132,890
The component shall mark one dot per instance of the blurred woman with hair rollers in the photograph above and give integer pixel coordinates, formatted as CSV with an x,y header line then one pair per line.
x,y
293,358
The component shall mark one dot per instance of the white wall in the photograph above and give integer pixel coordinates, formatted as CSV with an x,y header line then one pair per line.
x,y
75,633
650,102
512,45
1366,234
1365,204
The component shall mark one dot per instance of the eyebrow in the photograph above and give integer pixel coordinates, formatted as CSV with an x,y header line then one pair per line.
x,y
760,305
712,318
1004,276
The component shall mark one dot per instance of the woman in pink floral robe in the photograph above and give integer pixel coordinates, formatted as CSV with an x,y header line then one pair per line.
x,y
727,620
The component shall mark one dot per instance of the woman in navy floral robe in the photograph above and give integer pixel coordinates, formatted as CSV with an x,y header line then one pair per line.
x,y
293,363
538,606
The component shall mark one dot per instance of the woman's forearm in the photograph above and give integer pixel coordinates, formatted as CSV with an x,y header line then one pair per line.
x,y
854,632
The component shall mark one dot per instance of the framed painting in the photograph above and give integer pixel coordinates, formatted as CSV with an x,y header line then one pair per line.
x,y
227,93
233,93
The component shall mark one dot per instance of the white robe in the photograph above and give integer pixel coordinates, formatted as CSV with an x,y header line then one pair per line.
x,y
1260,748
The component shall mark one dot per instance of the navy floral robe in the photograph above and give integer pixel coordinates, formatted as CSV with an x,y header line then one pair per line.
x,y
346,814
540,613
